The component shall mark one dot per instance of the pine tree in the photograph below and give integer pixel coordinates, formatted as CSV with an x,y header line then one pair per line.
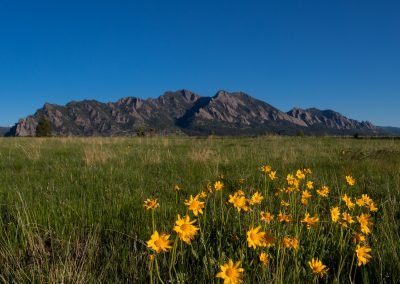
x,y
140,132
43,129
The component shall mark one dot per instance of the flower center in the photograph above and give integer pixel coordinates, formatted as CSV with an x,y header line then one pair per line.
x,y
158,243
185,228
230,272
253,236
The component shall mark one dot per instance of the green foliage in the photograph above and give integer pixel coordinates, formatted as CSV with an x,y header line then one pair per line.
x,y
69,216
140,131
300,133
43,129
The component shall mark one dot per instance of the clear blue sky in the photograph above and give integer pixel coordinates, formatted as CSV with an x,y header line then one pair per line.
x,y
342,55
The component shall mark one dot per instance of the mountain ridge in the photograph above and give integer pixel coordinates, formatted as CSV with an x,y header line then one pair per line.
x,y
184,111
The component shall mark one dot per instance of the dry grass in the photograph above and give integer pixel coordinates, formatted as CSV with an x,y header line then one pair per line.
x,y
32,149
94,156
202,155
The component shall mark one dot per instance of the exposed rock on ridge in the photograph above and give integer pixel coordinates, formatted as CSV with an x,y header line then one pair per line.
x,y
184,111
328,118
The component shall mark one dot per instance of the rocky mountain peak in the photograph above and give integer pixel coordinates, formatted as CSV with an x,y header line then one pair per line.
x,y
129,101
185,111
185,96
189,95
327,118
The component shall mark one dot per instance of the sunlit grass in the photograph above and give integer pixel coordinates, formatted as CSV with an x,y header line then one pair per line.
x,y
71,210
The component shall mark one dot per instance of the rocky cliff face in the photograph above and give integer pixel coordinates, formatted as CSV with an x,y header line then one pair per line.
x,y
185,111
241,109
329,119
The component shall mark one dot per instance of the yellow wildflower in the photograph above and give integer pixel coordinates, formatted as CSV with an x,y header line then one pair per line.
x,y
360,202
290,179
310,221
159,242
151,204
372,207
195,205
288,242
366,199
264,259
348,201
284,203
310,184
317,267
239,201
350,180
358,238
266,216
272,175
367,202
335,214
218,185
290,189
294,242
255,237
305,195
282,217
362,255
185,229
231,273
347,218
202,194
256,198
266,168
324,191
364,220
296,183
300,174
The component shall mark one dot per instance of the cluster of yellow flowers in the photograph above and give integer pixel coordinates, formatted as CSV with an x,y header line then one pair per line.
x,y
345,219
240,202
293,198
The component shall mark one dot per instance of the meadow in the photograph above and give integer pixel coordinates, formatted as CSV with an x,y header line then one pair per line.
x,y
72,210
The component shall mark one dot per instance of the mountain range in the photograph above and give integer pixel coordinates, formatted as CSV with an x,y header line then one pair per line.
x,y
185,112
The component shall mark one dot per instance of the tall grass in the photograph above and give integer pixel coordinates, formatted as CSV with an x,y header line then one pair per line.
x,y
71,210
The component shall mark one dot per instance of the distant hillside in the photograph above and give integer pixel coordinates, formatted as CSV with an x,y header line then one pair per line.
x,y
4,130
390,130
185,112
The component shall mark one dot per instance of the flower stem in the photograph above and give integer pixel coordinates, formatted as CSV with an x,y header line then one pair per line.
x,y
153,220
158,272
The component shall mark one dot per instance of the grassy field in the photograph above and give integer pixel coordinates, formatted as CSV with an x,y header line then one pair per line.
x,y
71,210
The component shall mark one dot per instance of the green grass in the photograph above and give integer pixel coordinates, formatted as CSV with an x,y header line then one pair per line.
x,y
71,210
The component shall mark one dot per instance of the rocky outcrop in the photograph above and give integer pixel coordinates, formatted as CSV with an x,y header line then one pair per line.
x,y
184,111
241,109
329,119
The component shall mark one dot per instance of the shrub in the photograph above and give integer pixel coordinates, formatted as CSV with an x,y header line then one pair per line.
x,y
43,129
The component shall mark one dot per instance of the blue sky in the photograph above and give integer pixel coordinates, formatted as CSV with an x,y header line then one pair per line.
x,y
341,55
